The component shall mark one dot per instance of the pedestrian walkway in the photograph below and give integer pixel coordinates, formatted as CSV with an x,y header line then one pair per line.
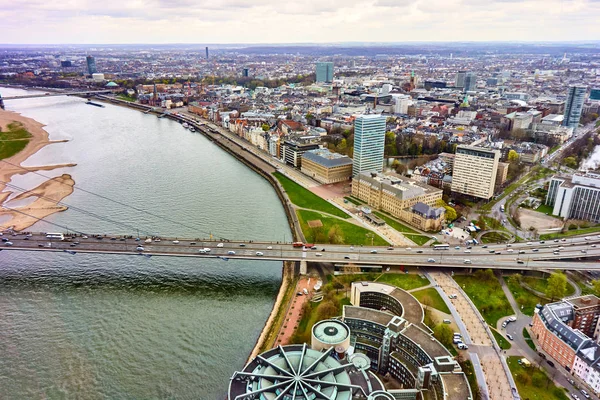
x,y
294,312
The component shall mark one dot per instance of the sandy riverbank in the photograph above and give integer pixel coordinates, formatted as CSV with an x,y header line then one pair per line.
x,y
53,190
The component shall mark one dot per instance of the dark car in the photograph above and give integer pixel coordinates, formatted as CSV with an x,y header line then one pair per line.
x,y
550,363
346,257
541,355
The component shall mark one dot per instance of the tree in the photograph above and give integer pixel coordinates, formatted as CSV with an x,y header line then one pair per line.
x,y
596,286
570,162
326,310
443,333
335,235
265,127
427,301
515,279
557,286
513,156
451,214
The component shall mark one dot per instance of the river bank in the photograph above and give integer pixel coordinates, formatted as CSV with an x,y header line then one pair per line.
x,y
46,195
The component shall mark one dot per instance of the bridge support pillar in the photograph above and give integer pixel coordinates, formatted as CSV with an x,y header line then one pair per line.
x,y
303,267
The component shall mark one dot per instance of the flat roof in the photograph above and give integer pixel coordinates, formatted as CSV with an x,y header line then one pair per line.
x,y
456,385
367,314
327,158
584,301
427,342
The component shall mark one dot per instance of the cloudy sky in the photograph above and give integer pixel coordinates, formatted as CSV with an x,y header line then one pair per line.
x,y
281,21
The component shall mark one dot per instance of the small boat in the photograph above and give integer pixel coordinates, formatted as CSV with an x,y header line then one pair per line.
x,y
91,103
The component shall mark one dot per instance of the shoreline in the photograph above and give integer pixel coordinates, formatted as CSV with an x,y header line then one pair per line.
x,y
47,194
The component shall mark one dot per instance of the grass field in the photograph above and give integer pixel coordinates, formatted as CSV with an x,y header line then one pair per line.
x,y
125,97
502,342
533,383
541,284
410,233
13,140
524,297
436,300
306,199
349,233
528,339
495,237
574,232
353,201
545,209
404,281
487,296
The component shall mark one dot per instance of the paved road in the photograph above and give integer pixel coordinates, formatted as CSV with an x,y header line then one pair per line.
x,y
492,256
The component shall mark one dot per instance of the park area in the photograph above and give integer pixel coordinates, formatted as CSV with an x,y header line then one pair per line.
x,y
13,140
403,281
533,383
431,298
529,291
483,288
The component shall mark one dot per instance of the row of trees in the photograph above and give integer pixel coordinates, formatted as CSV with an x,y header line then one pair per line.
x,y
416,144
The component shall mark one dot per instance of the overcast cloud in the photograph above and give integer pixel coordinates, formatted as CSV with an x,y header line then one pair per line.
x,y
280,21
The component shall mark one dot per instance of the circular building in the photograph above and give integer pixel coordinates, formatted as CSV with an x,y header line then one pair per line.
x,y
300,373
330,333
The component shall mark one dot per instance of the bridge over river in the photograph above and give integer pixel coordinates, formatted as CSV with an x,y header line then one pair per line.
x,y
574,253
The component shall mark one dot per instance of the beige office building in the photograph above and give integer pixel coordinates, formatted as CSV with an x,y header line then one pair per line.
x,y
326,167
475,170
404,198
502,173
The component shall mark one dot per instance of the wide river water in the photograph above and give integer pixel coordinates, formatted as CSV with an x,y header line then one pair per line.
x,y
127,327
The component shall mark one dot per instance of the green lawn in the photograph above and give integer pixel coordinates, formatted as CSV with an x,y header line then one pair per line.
x,y
436,300
409,232
404,281
533,383
528,339
524,297
541,284
348,233
487,295
545,209
574,232
306,199
502,342
13,140
495,237
126,97
553,149
353,201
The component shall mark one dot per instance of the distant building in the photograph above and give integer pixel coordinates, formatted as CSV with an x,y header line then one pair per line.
x,y
502,173
521,121
405,198
434,84
66,64
459,81
91,65
245,72
574,106
576,196
98,77
324,72
206,49
326,167
470,82
292,151
595,94
475,170
369,143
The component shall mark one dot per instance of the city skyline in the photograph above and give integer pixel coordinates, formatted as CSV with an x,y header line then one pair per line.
x,y
235,21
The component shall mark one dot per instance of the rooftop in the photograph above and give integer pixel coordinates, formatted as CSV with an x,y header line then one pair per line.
x,y
399,186
427,342
327,158
367,314
456,385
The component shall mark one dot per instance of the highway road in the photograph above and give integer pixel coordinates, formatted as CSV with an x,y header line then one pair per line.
x,y
532,255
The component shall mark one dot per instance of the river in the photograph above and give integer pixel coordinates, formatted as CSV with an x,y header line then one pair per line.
x,y
108,326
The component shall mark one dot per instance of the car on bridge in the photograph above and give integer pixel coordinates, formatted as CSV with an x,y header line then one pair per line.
x,y
139,248
231,253
259,253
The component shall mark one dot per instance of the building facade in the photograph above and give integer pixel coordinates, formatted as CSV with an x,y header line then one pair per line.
x,y
326,167
576,196
574,106
324,72
411,201
91,65
369,143
475,170
470,82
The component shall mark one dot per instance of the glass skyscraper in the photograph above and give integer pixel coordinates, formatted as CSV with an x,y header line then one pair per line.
x,y
574,106
324,72
91,64
369,143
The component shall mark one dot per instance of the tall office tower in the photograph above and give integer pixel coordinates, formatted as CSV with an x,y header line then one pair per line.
x,y
91,64
324,72
474,171
470,81
245,72
574,105
206,52
460,79
369,142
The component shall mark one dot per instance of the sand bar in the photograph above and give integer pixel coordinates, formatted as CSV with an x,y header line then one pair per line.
x,y
48,194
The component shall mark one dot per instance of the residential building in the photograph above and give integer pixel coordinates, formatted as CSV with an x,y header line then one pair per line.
x,y
91,65
369,143
475,170
574,106
324,72
411,201
576,196
521,121
502,173
326,167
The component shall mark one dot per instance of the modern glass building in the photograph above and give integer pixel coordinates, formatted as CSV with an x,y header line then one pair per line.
x,y
470,81
91,64
576,196
324,72
369,143
574,106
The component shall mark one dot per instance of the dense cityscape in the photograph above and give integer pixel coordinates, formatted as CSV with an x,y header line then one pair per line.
x,y
442,204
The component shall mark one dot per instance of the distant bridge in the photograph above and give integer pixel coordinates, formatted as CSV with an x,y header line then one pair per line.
x,y
52,94
577,253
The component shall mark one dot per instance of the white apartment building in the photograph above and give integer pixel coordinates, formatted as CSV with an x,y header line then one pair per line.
x,y
474,172
575,197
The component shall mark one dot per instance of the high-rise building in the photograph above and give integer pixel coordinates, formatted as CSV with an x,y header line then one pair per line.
x,y
470,81
91,64
206,52
574,105
595,94
460,79
324,72
369,142
245,72
474,172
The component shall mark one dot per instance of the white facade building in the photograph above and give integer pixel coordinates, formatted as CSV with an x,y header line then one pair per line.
x,y
575,197
369,143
